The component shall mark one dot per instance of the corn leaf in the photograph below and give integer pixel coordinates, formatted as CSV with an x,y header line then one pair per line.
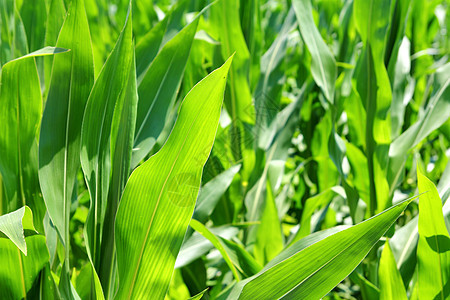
x,y
59,143
199,295
269,88
122,136
314,271
55,20
148,237
371,21
434,116
148,47
433,250
21,104
211,192
200,228
158,89
391,283
235,256
269,238
21,109
105,103
18,272
323,65
227,28
34,17
196,245
13,225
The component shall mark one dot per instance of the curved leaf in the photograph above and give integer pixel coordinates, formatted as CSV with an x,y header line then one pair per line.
x,y
99,135
21,109
196,245
158,89
200,228
323,65
59,143
433,249
312,272
18,272
212,191
391,283
13,225
160,195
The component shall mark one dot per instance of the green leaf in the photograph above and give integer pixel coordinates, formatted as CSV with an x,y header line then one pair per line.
x,y
47,287
269,238
323,65
315,270
13,225
158,89
99,136
21,109
55,20
368,289
148,47
391,283
404,247
199,295
253,33
122,137
311,205
200,228
148,237
433,250
59,143
84,283
211,193
34,17
66,288
296,246
226,24
20,99
18,272
371,21
235,256
196,245
269,89
434,116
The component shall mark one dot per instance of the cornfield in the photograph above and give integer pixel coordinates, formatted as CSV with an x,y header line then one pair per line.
x,y
229,149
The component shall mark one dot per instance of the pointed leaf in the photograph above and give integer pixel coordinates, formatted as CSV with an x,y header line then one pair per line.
x,y
13,225
433,250
323,65
211,193
148,237
18,272
21,109
391,283
158,89
97,136
315,270
200,228
59,143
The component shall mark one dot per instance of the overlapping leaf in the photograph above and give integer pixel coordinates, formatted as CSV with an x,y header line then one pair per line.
x,y
59,142
433,250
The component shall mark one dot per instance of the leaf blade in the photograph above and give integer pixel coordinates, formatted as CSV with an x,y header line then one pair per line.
x,y
173,190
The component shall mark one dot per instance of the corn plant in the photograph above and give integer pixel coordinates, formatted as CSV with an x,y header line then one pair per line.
x,y
228,149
